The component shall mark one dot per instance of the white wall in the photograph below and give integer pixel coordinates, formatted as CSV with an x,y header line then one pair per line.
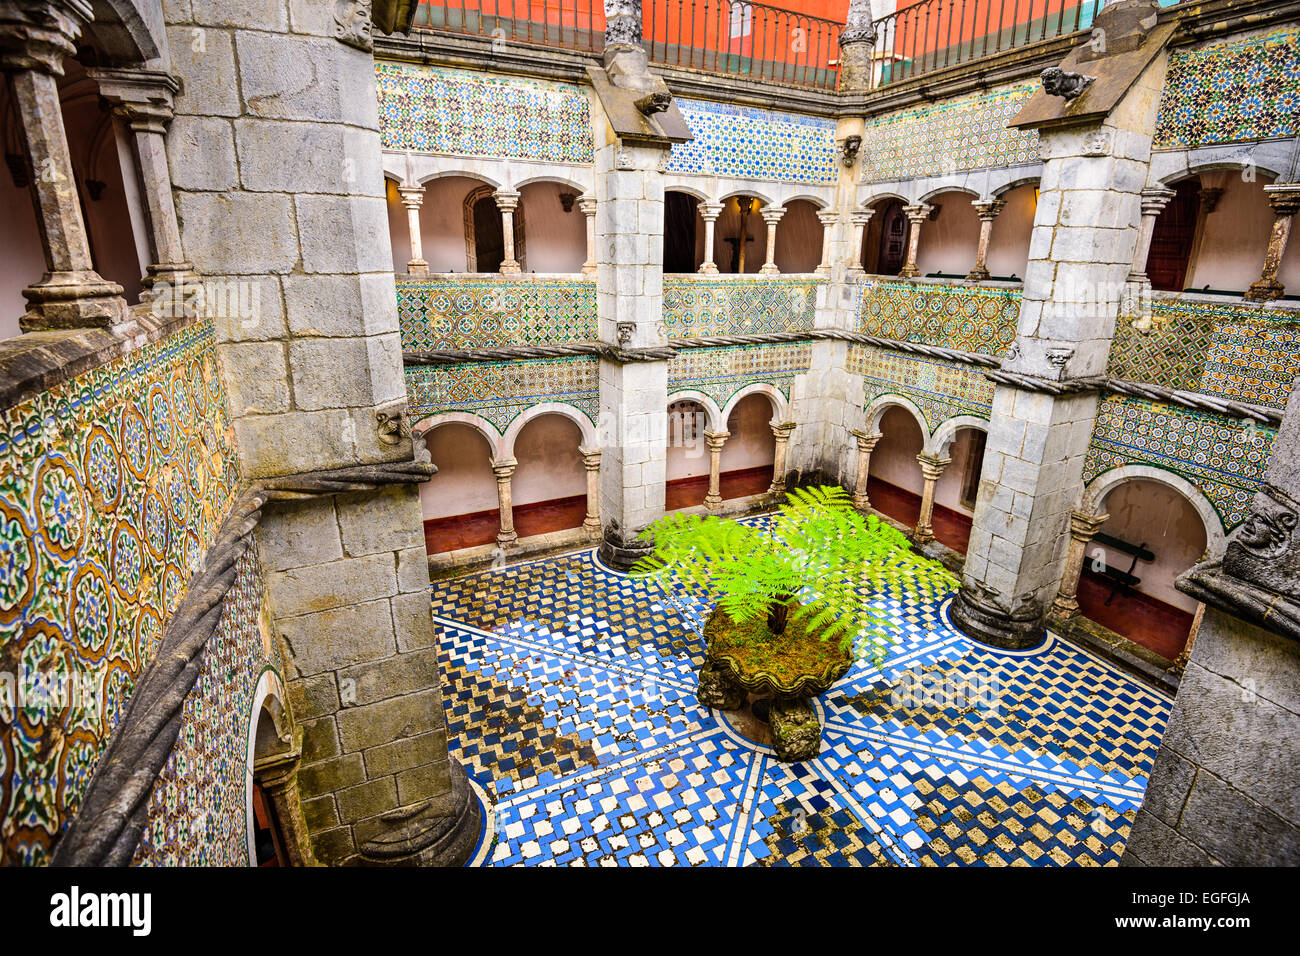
x,y
948,243
1148,511
947,490
799,238
1235,238
464,483
554,240
1009,241
688,455
894,458
752,443
550,465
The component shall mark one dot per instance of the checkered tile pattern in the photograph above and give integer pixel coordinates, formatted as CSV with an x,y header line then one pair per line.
x,y
570,697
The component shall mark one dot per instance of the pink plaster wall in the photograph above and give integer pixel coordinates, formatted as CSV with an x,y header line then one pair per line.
x,y
464,483
1148,511
948,243
798,238
947,490
894,458
1009,242
687,455
1235,237
555,240
550,465
752,443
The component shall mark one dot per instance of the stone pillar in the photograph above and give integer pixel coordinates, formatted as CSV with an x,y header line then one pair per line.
x,y
828,219
591,462
315,382
413,199
857,43
1285,200
504,470
916,214
588,206
781,432
715,440
1137,294
987,210
508,202
932,467
277,775
1045,400
1083,527
709,212
859,218
867,442
34,39
771,215
143,99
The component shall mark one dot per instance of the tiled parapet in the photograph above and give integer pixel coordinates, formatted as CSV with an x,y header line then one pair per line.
x,y
498,392
462,312
1231,92
940,389
955,316
751,143
722,373
1229,349
700,305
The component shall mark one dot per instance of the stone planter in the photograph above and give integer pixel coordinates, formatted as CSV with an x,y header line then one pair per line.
x,y
745,666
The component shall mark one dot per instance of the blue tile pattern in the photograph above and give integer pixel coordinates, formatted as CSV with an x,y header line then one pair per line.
x,y
570,698
751,143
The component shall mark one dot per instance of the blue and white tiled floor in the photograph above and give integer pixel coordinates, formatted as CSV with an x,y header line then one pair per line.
x,y
570,698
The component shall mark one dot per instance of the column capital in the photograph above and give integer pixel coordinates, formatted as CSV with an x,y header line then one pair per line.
x,y
37,36
867,441
507,199
412,196
772,214
782,430
1284,198
590,458
709,211
587,204
1084,526
860,217
918,212
988,209
503,468
932,466
1155,199
144,98
716,439
828,217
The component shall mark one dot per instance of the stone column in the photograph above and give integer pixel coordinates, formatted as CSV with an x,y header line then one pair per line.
x,y
781,432
277,775
828,220
1044,403
771,215
709,212
867,442
916,214
987,210
1154,200
588,206
143,99
857,42
715,440
413,199
1285,200
932,467
508,202
859,218
1083,527
591,462
504,470
34,39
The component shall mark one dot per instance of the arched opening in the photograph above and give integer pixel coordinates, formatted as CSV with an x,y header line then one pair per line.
x,y
549,487
740,236
1009,240
1173,238
557,228
749,455
949,238
485,244
459,503
884,241
894,480
1153,535
1235,221
956,490
460,226
686,463
270,845
683,235
799,238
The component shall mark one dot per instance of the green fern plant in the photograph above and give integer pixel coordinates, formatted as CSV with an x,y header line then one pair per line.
x,y
819,550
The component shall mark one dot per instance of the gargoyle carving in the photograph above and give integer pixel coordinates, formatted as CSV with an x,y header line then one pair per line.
x,y
653,102
1058,82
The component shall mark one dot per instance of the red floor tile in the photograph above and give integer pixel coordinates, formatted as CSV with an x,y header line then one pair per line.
x,y
1145,620
951,528
468,531
688,492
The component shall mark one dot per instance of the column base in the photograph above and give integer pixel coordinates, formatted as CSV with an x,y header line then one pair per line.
x,y
822,270
506,538
510,268
1066,607
1263,290
908,272
172,273
438,832
73,300
592,527
621,550
589,269
713,502
776,489
417,267
921,538
708,269
769,269
977,275
862,503
991,625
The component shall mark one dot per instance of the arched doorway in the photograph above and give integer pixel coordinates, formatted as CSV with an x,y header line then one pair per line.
x,y
884,242
894,480
549,486
686,462
958,487
950,238
750,453
270,846
1153,535
1173,238
460,502
683,249
740,236
485,245
799,238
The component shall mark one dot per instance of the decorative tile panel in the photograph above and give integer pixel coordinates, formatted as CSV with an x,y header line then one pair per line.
x,y
461,313
961,134
429,110
1226,458
969,319
750,143
500,391
1240,352
112,486
941,389
721,373
732,305
1231,92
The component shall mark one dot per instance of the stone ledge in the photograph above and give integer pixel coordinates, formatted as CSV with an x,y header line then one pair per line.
x,y
1133,658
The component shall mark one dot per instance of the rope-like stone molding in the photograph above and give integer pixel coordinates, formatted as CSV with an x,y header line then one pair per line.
x,y
1196,400
1035,383
114,808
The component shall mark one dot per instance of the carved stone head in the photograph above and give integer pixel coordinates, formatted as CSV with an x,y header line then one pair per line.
x,y
1058,82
